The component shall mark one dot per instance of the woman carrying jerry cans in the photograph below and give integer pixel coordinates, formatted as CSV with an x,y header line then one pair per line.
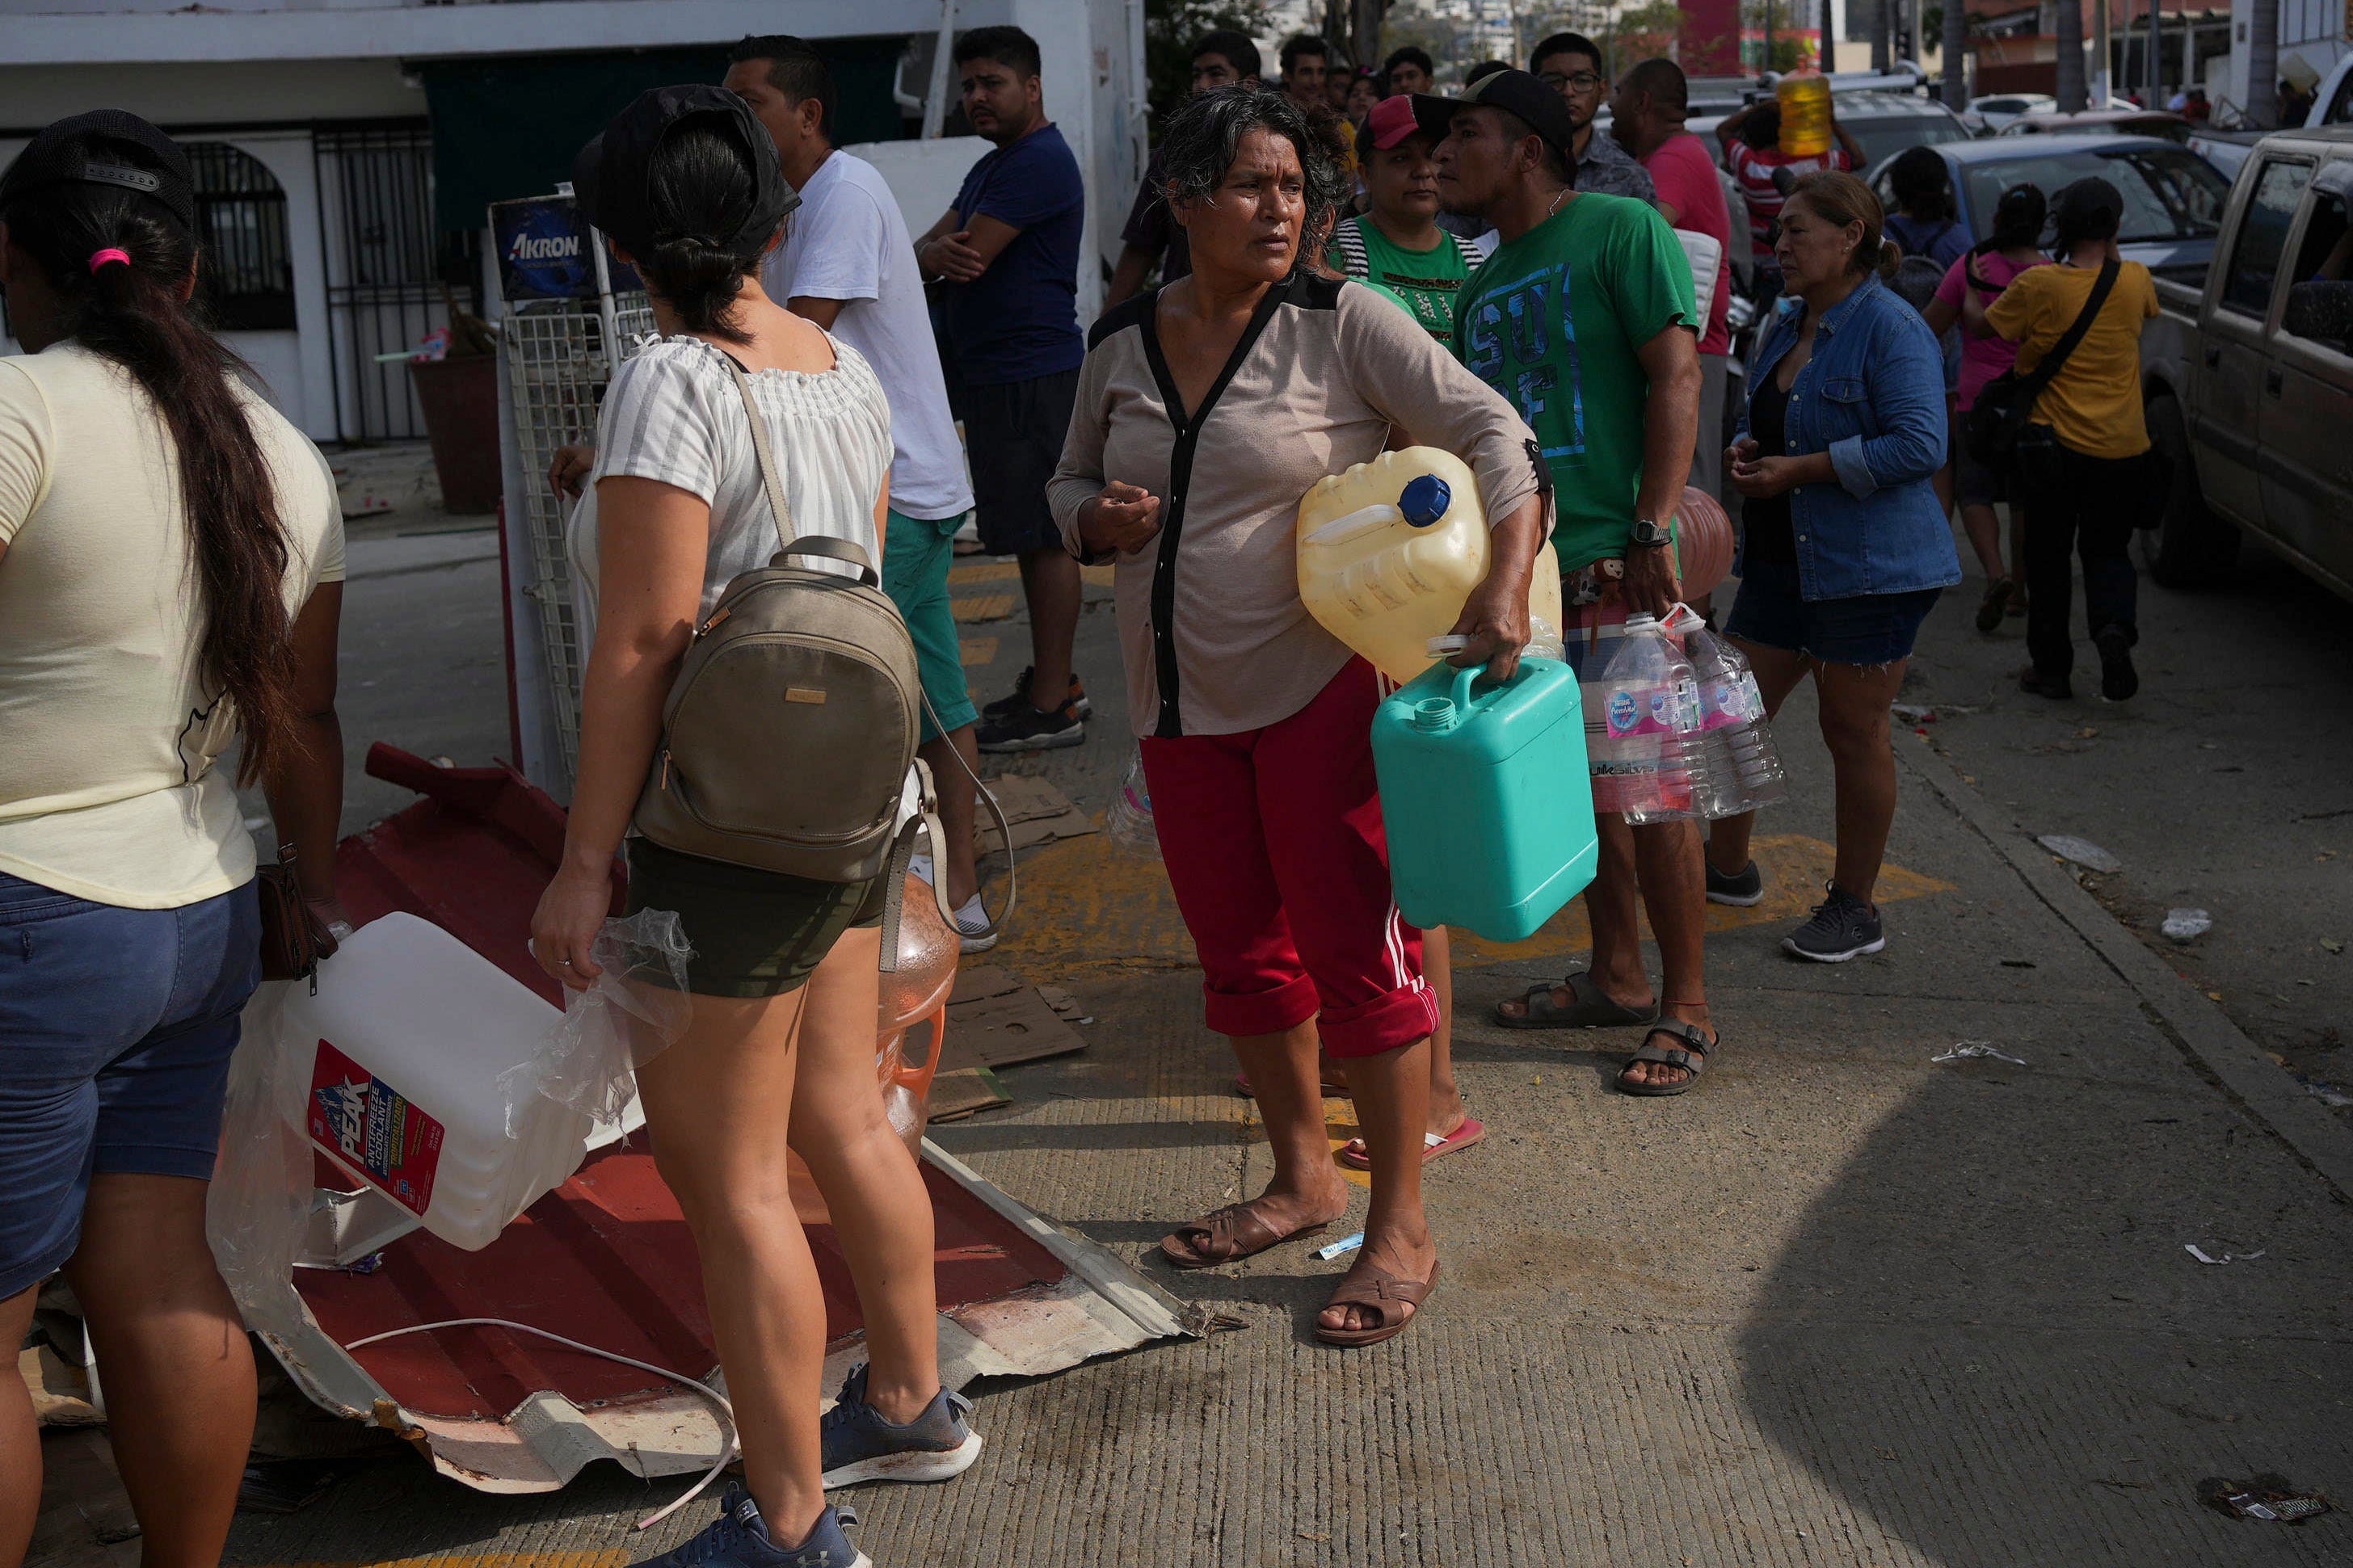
x,y
1203,414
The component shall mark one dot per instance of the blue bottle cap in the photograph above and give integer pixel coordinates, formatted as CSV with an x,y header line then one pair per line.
x,y
1425,501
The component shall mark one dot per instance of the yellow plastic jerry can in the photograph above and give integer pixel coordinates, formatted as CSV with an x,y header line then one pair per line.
x,y
1389,549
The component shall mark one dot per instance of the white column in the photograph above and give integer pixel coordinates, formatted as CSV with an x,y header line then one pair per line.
x,y
287,154
1065,48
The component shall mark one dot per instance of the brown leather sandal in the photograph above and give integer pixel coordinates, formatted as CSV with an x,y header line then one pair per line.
x,y
1224,1236
1387,1297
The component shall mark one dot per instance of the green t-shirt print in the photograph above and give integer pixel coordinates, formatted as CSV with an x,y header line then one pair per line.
x,y
1553,322
1424,281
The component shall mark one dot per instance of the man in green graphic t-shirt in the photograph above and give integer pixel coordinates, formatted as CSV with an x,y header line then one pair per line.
x,y
1584,318
1398,246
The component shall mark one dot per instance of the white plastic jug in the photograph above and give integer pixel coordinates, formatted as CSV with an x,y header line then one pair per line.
x,y
1389,549
405,1040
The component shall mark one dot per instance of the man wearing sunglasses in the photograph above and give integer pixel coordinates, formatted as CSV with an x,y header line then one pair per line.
x,y
1570,64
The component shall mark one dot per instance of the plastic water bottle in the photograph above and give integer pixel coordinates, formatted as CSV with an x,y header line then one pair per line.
x,y
1740,764
1129,821
1641,711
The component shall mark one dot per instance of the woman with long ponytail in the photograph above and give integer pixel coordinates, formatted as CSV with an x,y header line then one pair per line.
x,y
171,566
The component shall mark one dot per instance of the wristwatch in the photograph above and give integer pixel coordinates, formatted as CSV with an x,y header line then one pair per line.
x,y
1649,535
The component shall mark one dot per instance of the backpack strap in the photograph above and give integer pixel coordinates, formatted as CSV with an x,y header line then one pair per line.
x,y
925,823
766,456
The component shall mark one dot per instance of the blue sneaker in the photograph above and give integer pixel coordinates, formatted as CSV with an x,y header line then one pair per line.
x,y
860,1445
738,1538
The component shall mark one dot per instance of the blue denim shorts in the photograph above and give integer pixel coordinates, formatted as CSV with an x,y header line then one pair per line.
x,y
116,1027
1868,629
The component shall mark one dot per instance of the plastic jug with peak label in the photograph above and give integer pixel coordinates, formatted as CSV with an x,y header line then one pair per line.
x,y
1389,551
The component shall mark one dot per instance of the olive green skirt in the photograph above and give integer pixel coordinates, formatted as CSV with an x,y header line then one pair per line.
x,y
755,933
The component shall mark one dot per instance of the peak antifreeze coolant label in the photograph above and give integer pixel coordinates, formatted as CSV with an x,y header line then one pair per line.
x,y
365,1122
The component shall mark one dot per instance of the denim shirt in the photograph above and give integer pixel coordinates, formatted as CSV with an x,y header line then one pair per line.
x,y
1873,395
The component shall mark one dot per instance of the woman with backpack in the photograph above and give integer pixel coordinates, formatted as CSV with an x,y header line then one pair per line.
x,y
1982,273
686,184
171,580
1926,229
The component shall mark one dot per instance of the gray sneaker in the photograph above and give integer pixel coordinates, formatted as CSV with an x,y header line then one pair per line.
x,y
1741,890
1843,927
738,1538
860,1445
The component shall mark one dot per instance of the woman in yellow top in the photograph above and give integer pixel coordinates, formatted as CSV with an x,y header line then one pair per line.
x,y
2089,490
171,576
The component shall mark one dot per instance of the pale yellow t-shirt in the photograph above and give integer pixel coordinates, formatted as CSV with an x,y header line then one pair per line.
x,y
2094,402
108,789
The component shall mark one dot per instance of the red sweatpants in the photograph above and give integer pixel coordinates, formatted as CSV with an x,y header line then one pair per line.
x,y
1273,843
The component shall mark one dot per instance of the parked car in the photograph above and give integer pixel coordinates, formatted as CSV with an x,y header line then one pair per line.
x,y
2158,122
2173,199
2248,374
1990,113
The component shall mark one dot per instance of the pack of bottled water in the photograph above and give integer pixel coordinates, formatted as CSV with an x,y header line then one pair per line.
x,y
1675,727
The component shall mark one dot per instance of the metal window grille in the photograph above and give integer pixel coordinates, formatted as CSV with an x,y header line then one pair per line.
x,y
246,275
391,273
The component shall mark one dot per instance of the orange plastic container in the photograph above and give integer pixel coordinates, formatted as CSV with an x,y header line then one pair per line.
x,y
913,1021
1805,102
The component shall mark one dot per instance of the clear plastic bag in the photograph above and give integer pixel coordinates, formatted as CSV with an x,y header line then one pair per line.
x,y
637,1009
258,1206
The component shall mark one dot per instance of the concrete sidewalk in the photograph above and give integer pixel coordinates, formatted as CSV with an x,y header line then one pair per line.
x,y
1842,1305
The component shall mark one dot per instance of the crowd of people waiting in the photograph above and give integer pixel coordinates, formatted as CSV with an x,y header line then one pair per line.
x,y
1350,262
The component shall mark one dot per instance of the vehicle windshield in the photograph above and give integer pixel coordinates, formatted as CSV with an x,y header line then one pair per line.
x,y
1884,138
2170,193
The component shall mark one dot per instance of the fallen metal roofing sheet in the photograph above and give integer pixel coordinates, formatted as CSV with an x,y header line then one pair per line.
x,y
605,1257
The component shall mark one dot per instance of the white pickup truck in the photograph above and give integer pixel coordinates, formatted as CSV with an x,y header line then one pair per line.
x,y
2248,376
2332,104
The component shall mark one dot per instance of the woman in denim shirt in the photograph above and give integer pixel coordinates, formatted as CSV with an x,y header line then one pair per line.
x,y
1845,545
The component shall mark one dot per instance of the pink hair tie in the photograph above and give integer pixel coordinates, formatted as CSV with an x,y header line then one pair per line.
x,y
111,253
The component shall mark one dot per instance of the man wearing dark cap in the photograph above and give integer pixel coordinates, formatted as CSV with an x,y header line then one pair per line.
x,y
2085,455
1399,244
1584,318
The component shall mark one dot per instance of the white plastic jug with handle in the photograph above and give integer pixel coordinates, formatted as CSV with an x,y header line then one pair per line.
x,y
1389,549
405,1042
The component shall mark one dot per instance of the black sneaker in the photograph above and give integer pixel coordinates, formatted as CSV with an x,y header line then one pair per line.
x,y
2119,679
2057,687
1028,729
1742,889
1843,927
858,1444
1020,694
739,1539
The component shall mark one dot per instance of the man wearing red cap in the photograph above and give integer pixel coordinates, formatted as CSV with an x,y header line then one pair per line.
x,y
1399,244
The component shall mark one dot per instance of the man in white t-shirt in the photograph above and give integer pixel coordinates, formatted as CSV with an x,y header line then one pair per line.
x,y
847,264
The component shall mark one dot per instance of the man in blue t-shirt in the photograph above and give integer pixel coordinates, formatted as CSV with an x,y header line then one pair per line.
x,y
1008,251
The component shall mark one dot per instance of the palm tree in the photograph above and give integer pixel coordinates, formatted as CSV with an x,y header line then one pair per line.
x,y
2263,62
2067,33
1956,52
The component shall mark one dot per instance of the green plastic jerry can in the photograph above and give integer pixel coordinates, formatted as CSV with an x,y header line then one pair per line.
x,y
1486,796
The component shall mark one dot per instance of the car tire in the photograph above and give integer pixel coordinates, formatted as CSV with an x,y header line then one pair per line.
x,y
2186,545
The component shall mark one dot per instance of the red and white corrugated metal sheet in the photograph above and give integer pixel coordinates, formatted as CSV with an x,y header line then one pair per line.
x,y
606,1258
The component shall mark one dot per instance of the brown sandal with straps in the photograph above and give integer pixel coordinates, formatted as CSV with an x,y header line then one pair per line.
x,y
1225,1235
1693,1061
1396,1303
